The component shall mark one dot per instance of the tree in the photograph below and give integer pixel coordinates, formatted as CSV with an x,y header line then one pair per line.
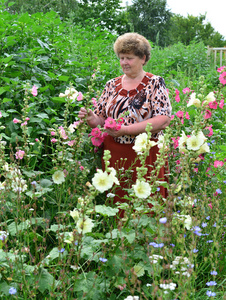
x,y
151,18
191,28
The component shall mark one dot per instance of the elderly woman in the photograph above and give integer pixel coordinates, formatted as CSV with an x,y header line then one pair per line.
x,y
141,94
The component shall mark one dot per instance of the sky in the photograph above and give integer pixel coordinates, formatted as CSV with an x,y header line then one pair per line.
x,y
215,11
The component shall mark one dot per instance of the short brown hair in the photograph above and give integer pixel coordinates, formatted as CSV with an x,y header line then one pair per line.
x,y
135,43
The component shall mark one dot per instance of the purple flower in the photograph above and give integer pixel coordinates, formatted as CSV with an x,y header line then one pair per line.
x,y
211,283
204,224
210,241
12,291
207,218
163,220
172,245
61,250
218,191
213,272
103,259
195,250
155,245
210,294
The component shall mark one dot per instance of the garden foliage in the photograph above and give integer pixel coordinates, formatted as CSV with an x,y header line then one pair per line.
x,y
60,235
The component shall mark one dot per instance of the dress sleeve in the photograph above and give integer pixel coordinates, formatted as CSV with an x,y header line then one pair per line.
x,y
100,109
160,99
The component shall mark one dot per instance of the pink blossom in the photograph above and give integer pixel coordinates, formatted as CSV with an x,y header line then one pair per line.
x,y
221,105
196,170
208,114
208,169
222,78
176,142
93,75
24,124
177,97
0,114
34,90
53,140
121,287
172,117
187,116
63,133
75,124
81,168
210,205
19,154
178,162
219,70
218,163
97,141
71,143
94,101
186,90
96,132
53,133
37,140
27,119
16,121
210,130
180,114
80,96
109,123
213,104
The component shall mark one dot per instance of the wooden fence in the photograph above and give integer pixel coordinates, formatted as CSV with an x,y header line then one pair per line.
x,y
217,53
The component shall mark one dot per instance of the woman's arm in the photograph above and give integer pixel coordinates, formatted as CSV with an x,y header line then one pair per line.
x,y
158,123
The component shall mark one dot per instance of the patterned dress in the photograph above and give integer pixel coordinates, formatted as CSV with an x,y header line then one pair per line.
x,y
148,100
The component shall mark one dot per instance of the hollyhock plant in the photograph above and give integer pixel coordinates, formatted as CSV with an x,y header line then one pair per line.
x,y
96,132
177,97
186,90
58,177
221,69
142,189
194,101
221,105
218,163
207,115
213,105
15,121
97,141
210,130
102,181
34,90
20,154
80,96
180,115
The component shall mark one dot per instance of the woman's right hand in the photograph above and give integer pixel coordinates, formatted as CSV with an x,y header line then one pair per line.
x,y
83,113
92,119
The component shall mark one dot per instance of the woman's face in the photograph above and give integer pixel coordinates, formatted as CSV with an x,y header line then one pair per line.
x,y
131,64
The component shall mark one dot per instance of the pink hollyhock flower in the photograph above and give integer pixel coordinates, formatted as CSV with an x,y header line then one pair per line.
x,y
71,143
24,124
80,96
172,117
81,168
186,90
176,142
53,140
27,119
213,104
19,154
16,121
187,116
34,90
37,140
221,69
63,133
208,114
221,105
210,205
97,141
53,133
210,130
0,114
222,78
94,101
109,123
196,170
177,97
96,132
180,114
218,163
178,162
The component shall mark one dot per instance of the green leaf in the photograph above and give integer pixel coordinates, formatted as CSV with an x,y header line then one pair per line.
x,y
2,90
106,210
63,78
45,183
45,281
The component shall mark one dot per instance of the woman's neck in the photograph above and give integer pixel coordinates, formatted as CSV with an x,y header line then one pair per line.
x,y
131,82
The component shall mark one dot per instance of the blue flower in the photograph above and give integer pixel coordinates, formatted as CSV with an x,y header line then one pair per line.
x,y
195,250
12,291
172,245
61,250
204,224
211,283
210,241
210,294
103,259
215,224
224,181
163,220
207,218
213,272
218,191
158,189
155,245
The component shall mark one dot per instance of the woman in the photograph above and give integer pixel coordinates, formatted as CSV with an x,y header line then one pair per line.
x,y
143,95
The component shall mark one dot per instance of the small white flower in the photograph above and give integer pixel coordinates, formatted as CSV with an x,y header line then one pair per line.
x,y
194,101
102,181
58,177
84,225
132,298
71,128
142,189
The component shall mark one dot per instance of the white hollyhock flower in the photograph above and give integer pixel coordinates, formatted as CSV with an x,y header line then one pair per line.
x,y
74,214
141,142
142,189
203,149
113,175
70,93
194,101
84,225
132,298
201,136
209,98
58,177
194,142
102,181
182,142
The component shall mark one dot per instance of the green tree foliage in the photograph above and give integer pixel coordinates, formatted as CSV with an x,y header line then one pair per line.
x,y
191,28
151,18
109,14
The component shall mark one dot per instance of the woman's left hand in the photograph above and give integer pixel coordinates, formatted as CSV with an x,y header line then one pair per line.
x,y
116,133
